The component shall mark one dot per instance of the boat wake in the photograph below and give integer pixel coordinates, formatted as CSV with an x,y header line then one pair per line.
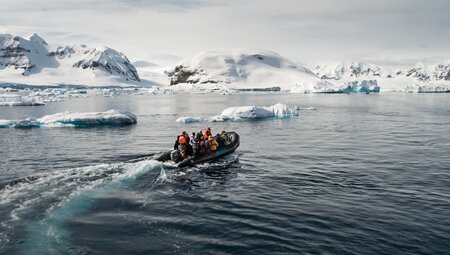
x,y
38,206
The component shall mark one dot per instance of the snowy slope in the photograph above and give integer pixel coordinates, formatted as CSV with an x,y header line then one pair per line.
x,y
31,61
340,71
241,68
26,55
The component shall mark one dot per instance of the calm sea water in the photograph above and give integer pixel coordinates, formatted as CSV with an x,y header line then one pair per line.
x,y
362,174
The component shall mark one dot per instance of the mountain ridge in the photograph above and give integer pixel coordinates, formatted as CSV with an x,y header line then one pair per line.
x,y
32,60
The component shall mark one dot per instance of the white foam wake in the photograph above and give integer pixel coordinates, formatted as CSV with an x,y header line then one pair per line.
x,y
58,196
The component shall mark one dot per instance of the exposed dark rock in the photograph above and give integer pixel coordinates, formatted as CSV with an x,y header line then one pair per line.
x,y
182,75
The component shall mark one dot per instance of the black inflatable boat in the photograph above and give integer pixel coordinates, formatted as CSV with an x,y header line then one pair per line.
x,y
192,161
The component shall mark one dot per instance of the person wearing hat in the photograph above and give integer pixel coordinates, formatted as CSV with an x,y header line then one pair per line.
x,y
207,133
185,136
183,147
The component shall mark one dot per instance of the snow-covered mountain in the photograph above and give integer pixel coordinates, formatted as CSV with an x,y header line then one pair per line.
x,y
438,72
388,77
338,71
27,55
242,68
360,70
31,61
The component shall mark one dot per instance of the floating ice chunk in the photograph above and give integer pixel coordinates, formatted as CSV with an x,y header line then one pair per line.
x,y
111,117
254,112
17,100
6,123
300,108
190,119
74,119
25,123
246,113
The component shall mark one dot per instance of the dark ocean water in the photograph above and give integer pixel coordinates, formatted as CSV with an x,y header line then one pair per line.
x,y
362,174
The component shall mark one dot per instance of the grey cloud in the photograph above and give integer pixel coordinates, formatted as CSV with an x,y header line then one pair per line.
x,y
104,5
301,29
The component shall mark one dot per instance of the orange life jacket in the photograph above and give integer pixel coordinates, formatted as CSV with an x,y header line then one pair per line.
x,y
213,145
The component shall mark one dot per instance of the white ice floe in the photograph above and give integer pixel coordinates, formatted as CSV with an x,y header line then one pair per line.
x,y
190,119
74,119
301,108
246,113
255,112
18,100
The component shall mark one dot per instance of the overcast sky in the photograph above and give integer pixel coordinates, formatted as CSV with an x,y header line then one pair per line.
x,y
163,31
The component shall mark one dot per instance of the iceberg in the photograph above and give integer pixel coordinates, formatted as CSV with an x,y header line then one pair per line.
x,y
74,119
6,123
189,119
25,123
300,108
255,112
246,113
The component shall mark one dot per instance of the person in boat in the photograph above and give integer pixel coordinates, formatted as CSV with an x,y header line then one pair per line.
x,y
182,147
205,144
213,144
187,145
186,136
177,143
193,139
207,133
199,135
218,140
225,138
195,144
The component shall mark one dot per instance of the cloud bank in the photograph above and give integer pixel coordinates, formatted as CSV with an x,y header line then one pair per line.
x,y
303,30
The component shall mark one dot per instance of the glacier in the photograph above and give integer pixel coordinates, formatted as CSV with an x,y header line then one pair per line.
x,y
74,119
428,88
364,86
